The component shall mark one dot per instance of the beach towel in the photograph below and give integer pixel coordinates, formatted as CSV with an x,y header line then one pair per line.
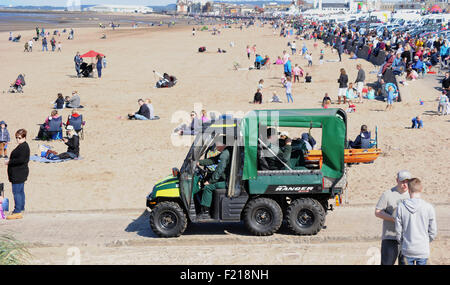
x,y
46,160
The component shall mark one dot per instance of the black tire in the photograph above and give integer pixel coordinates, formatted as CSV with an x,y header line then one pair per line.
x,y
305,216
263,216
168,219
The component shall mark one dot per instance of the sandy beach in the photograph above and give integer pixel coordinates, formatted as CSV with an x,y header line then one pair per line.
x,y
121,160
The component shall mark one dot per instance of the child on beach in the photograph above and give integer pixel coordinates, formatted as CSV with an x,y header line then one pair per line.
x,y
304,49
370,93
350,94
308,78
321,56
4,139
326,104
390,98
443,104
59,46
261,84
308,56
248,52
257,99
288,86
351,107
296,72
417,123
275,98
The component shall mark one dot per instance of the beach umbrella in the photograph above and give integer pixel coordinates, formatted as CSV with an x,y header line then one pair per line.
x,y
91,53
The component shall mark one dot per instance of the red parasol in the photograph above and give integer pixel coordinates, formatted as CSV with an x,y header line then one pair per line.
x,y
91,53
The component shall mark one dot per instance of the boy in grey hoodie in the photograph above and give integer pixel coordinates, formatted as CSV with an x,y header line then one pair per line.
x,y
415,225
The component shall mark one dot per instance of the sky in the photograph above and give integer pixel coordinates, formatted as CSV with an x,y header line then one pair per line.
x,y
62,3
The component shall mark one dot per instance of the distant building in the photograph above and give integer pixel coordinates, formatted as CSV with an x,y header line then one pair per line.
x,y
190,6
120,9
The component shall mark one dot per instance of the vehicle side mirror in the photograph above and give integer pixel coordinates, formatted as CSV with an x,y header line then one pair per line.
x,y
175,172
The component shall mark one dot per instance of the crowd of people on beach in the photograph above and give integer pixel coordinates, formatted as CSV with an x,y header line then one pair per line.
x,y
409,223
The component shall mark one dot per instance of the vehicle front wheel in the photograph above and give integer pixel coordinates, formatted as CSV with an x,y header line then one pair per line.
x,y
263,216
305,216
168,219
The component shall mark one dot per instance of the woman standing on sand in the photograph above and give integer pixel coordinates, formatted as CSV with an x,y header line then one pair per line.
x,y
343,80
18,173
99,66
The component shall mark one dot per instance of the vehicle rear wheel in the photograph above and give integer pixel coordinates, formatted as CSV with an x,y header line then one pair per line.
x,y
305,216
168,219
263,216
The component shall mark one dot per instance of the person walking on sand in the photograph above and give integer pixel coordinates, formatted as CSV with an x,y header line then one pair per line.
x,y
78,60
288,86
18,173
99,66
385,210
415,225
44,44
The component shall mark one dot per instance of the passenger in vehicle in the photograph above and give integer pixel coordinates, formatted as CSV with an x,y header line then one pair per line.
x,y
274,157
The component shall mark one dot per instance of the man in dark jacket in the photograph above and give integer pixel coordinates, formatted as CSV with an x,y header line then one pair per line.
x,y
142,114
218,179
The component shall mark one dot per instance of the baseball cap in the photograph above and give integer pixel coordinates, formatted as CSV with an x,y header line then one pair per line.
x,y
403,175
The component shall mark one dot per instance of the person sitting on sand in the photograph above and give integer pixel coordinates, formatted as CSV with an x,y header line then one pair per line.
x,y
279,61
325,99
192,129
370,93
275,98
351,107
417,123
51,126
73,144
308,78
350,94
142,114
257,99
148,102
60,102
74,101
362,140
75,120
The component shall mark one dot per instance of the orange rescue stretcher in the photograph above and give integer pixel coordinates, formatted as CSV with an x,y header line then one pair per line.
x,y
350,156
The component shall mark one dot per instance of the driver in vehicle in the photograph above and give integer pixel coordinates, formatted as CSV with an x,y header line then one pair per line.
x,y
275,157
218,178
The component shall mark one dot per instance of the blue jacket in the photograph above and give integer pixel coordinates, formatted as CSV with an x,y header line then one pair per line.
x,y
418,65
287,66
259,58
4,135
444,50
